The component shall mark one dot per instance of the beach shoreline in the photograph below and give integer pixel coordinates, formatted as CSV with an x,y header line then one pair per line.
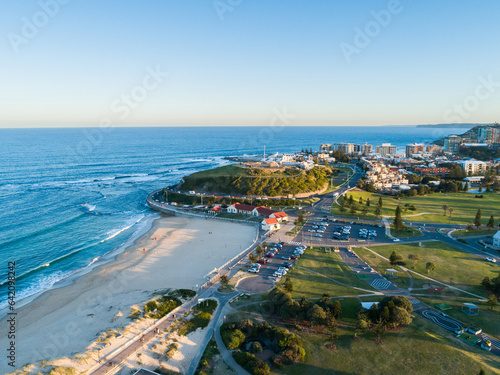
x,y
175,252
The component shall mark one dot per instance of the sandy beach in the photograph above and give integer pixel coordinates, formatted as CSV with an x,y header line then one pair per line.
x,y
176,252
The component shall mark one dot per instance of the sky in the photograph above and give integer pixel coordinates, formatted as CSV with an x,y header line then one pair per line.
x,y
67,63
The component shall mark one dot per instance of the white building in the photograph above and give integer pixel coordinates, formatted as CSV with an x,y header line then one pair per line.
x,y
270,224
472,167
496,240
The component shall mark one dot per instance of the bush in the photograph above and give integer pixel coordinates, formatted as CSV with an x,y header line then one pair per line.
x,y
183,293
251,363
256,347
233,339
150,306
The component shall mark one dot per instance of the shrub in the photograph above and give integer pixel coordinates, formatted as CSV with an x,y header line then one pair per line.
x,y
251,363
233,339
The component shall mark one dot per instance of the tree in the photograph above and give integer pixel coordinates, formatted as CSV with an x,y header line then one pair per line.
x,y
492,301
430,267
259,251
361,326
380,202
288,285
351,199
379,329
377,211
400,317
466,186
491,223
367,202
398,220
470,227
477,220
316,315
252,257
481,372
224,280
414,258
450,211
374,313
290,309
337,309
360,200
394,258
445,208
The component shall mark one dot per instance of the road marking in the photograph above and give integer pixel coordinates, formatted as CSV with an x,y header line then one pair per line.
x,y
442,321
380,284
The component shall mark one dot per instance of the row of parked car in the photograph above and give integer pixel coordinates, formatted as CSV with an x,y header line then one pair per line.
x,y
342,233
367,234
281,271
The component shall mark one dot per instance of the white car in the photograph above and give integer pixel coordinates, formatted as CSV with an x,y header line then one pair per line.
x,y
492,260
254,270
396,240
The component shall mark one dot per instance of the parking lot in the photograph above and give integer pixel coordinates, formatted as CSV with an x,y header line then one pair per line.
x,y
279,259
341,232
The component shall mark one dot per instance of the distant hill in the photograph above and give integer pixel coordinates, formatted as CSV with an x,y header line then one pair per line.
x,y
454,126
234,179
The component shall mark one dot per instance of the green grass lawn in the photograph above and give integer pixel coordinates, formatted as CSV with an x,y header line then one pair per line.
x,y
467,233
405,233
487,319
453,266
227,170
415,350
311,285
464,205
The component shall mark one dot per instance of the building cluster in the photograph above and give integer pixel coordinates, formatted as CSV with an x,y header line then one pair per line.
x,y
485,136
271,220
301,160
386,178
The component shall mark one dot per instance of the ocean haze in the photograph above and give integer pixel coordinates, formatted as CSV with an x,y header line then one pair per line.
x,y
72,198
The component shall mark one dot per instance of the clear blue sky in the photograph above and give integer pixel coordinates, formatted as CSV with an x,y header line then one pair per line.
x,y
261,57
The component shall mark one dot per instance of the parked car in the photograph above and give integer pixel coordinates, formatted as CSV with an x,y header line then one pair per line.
x,y
254,269
286,257
492,260
269,255
262,261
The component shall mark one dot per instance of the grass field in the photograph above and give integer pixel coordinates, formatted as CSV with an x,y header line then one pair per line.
x,y
308,284
405,233
468,233
487,319
453,266
418,349
430,208
227,170
421,348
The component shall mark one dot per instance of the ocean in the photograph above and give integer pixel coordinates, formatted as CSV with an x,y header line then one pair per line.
x,y
73,198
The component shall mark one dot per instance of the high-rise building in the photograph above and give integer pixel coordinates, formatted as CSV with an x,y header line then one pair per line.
x,y
414,148
434,149
489,135
452,143
366,149
326,147
386,149
473,167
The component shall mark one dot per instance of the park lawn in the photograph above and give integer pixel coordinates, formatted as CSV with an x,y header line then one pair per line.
x,y
331,264
421,348
429,208
310,285
487,319
453,266
380,265
467,233
227,170
405,233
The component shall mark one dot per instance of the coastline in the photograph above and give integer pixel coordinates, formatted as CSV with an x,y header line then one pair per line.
x,y
103,260
175,252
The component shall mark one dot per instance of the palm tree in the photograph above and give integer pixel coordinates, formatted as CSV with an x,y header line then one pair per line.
x,y
450,211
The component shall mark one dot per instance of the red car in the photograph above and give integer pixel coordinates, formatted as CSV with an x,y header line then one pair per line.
x,y
262,261
269,255
294,257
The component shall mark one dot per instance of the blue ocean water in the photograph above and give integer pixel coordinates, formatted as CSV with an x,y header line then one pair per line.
x,y
72,198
